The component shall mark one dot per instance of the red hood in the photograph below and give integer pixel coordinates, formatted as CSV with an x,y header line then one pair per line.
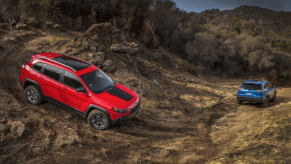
x,y
119,101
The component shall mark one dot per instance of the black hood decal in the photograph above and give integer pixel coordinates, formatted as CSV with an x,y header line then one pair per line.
x,y
120,93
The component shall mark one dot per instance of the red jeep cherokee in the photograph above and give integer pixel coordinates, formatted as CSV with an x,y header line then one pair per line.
x,y
79,86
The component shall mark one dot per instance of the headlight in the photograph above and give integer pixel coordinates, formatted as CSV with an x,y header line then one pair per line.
x,y
120,110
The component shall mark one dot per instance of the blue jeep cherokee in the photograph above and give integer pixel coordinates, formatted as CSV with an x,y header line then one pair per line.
x,y
257,91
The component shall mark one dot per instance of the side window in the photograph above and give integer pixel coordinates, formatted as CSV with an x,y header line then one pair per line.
x,y
38,66
72,80
52,72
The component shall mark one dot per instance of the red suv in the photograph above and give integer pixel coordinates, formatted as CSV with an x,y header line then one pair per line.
x,y
79,86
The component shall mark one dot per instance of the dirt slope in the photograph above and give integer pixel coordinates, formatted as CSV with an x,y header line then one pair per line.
x,y
181,121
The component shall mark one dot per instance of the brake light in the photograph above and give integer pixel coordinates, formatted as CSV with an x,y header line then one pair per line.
x,y
260,91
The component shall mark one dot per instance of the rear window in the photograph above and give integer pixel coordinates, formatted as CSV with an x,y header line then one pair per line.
x,y
52,72
252,86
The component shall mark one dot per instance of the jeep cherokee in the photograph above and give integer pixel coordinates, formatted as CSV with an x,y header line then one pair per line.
x,y
257,91
78,86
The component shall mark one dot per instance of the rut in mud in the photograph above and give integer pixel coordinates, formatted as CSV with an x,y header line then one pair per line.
x,y
177,122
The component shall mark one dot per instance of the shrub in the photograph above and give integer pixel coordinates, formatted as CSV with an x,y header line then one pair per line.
x,y
190,68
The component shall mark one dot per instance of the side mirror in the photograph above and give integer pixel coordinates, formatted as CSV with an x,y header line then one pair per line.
x,y
81,89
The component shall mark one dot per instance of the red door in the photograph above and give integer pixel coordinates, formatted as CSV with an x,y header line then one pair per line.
x,y
77,100
51,86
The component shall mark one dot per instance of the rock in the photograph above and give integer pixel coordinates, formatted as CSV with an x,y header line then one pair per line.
x,y
102,29
165,105
149,37
131,48
142,68
67,139
32,22
4,128
16,128
109,66
99,60
21,26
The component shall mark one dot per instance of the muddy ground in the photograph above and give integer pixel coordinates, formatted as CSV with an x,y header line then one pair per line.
x,y
183,118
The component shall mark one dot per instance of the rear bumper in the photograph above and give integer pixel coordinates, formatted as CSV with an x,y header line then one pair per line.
x,y
125,118
250,99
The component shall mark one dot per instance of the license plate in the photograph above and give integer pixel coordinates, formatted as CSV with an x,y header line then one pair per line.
x,y
249,93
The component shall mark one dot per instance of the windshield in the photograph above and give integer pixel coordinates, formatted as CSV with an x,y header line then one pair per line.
x,y
97,81
252,86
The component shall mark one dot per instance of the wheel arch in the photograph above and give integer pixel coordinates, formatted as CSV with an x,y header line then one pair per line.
x,y
93,107
28,82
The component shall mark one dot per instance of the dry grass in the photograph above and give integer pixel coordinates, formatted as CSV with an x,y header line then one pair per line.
x,y
267,141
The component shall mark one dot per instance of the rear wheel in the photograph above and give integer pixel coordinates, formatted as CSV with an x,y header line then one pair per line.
x,y
266,103
98,120
274,98
32,95
239,102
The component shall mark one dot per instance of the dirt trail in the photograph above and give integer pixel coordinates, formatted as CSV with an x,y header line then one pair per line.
x,y
180,122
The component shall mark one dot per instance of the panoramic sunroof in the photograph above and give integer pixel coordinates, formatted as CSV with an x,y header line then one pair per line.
x,y
77,65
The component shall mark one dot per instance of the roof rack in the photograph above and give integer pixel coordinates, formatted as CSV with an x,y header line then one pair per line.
x,y
57,63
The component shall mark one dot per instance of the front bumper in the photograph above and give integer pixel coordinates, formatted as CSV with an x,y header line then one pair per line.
x,y
125,118
250,99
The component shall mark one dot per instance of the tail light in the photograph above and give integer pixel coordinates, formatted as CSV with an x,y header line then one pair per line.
x,y
260,91
241,89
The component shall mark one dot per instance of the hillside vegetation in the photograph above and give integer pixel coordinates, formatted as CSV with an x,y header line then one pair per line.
x,y
243,41
240,42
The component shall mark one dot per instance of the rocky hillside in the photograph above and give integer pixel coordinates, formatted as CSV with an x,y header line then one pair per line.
x,y
183,119
130,16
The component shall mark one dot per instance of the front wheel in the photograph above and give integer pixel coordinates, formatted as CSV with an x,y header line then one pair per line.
x,y
98,120
265,104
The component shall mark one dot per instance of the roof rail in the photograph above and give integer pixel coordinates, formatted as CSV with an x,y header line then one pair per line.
x,y
41,57
78,59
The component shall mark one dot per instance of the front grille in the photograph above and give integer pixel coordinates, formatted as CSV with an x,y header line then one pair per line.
x,y
135,108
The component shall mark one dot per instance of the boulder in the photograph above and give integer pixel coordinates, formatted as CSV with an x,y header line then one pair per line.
x,y
131,48
16,128
32,21
68,138
21,26
148,36
109,66
97,59
102,29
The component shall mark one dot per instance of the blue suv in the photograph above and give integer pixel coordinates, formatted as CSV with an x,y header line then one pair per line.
x,y
261,92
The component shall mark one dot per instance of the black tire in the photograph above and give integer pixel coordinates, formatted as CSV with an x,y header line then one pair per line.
x,y
239,102
98,120
266,103
33,95
275,97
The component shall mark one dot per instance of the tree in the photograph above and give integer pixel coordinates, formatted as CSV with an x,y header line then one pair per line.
x,y
9,10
